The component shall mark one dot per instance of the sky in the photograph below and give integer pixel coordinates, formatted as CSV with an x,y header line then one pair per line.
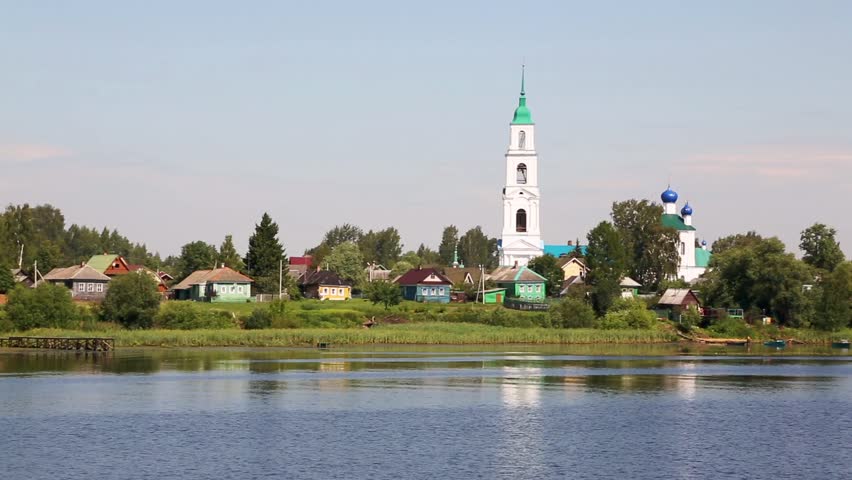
x,y
183,121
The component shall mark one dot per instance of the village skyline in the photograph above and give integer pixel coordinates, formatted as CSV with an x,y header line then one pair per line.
x,y
192,121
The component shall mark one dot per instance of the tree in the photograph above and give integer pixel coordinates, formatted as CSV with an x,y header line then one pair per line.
x,y
606,258
7,280
652,252
400,267
341,234
383,247
572,313
820,247
738,240
412,258
759,275
49,256
386,293
449,243
548,267
46,306
428,256
194,256
265,254
132,300
475,248
834,306
229,256
346,260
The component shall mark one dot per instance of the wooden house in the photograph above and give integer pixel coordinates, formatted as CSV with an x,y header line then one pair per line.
x,y
84,282
220,285
678,299
109,264
425,285
325,285
520,282
629,287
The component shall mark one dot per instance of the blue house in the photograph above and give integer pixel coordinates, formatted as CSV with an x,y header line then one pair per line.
x,y
425,285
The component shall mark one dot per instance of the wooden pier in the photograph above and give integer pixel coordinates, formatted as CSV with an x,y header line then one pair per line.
x,y
90,344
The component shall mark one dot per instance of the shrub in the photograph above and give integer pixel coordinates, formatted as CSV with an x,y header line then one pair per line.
x,y
132,300
689,318
45,306
731,327
572,313
259,318
628,313
6,325
188,315
385,293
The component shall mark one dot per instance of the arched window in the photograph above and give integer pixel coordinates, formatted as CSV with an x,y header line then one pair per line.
x,y
682,248
522,140
521,221
522,174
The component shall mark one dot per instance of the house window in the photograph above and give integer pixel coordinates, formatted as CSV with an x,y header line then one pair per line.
x,y
434,292
441,291
325,290
538,289
99,288
334,291
521,220
522,139
521,177
239,289
90,287
81,287
523,289
232,288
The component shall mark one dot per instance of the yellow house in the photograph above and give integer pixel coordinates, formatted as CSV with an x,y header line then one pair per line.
x,y
325,285
573,267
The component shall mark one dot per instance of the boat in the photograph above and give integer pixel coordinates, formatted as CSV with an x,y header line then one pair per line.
x,y
775,343
736,343
840,344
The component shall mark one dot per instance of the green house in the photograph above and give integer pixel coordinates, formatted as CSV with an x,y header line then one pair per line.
x,y
494,295
221,285
520,282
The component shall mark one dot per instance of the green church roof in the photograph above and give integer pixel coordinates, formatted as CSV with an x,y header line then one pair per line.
x,y
522,113
702,258
672,220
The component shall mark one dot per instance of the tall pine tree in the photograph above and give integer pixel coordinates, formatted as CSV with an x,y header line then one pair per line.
x,y
265,254
229,256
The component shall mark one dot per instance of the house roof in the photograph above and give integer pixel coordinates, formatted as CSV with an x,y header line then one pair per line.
x,y
566,260
103,262
417,276
459,275
323,277
673,220
306,260
675,296
562,250
515,274
77,272
218,275
702,257
629,282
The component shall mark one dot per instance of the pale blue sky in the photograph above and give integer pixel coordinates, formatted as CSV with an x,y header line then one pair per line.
x,y
180,121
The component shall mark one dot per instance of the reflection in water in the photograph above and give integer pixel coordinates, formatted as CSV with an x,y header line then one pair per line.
x,y
520,387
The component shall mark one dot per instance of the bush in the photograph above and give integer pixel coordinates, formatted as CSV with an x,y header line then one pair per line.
x,y
259,318
188,316
628,313
6,325
689,318
47,306
731,327
132,300
572,313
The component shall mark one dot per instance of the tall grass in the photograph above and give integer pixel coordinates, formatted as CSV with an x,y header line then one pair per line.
x,y
405,334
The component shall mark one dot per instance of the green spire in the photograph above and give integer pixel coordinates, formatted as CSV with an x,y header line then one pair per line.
x,y
522,113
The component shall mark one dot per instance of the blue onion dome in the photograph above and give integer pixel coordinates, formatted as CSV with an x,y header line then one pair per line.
x,y
669,196
703,243
686,210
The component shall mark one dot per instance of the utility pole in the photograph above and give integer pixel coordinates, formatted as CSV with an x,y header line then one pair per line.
x,y
280,277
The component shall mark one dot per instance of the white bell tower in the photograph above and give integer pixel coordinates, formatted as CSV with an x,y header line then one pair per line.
x,y
521,238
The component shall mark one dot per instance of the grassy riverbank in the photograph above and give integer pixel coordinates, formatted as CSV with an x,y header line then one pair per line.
x,y
406,334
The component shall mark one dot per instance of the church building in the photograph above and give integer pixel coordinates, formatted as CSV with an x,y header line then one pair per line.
x,y
521,239
693,260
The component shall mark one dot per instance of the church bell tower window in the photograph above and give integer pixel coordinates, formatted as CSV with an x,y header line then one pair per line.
x,y
522,140
522,174
521,221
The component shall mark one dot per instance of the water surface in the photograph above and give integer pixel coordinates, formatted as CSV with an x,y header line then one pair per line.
x,y
417,412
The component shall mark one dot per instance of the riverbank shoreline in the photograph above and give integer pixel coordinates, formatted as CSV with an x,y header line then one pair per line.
x,y
404,334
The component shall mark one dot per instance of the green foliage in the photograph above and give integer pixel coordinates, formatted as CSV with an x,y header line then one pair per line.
x,y
449,243
183,315
6,325
628,313
652,249
47,305
572,313
385,293
666,284
833,309
228,255
399,268
194,256
382,247
547,266
346,260
7,280
265,253
259,318
427,255
606,258
820,247
131,300
730,327
475,248
754,273
689,318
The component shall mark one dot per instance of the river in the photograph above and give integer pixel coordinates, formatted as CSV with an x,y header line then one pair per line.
x,y
630,412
